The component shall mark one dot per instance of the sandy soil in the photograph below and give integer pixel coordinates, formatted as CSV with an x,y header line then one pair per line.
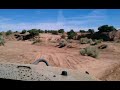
x,y
102,67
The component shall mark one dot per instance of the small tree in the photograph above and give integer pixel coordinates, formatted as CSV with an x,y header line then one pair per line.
x,y
82,31
61,31
0,33
55,32
71,34
106,28
46,31
16,32
1,40
23,32
33,32
40,31
91,31
8,32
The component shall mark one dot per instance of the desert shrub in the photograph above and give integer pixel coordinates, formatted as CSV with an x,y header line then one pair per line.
x,y
90,41
82,31
33,32
46,31
37,41
103,46
85,40
62,43
90,51
8,32
91,31
54,32
16,32
61,31
63,36
71,34
96,42
0,33
23,32
1,40
106,28
83,52
69,41
40,31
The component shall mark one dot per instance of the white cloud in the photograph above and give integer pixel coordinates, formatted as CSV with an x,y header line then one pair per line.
x,y
44,26
75,23
94,16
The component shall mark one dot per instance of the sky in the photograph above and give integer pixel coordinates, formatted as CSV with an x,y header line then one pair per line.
x,y
54,19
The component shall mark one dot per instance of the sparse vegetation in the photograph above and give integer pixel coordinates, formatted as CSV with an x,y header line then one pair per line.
x,y
82,31
33,32
46,31
54,32
62,43
71,34
1,40
106,28
85,40
61,31
63,36
91,31
0,33
90,51
8,32
96,42
37,41
40,31
23,31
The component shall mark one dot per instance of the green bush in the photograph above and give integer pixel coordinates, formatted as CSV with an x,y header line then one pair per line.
x,y
8,32
0,33
40,31
33,32
71,34
90,51
106,28
46,31
61,31
1,40
23,32
55,32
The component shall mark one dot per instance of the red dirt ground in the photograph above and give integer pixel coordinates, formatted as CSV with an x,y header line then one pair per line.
x,y
102,67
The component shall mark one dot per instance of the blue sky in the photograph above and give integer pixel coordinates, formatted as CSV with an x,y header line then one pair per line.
x,y
19,19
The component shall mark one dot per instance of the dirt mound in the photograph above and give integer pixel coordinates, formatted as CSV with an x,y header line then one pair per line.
x,y
50,37
117,35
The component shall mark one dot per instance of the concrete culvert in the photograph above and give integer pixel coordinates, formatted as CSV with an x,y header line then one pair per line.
x,y
40,60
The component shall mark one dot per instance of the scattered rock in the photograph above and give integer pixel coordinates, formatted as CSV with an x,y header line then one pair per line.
x,y
64,73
